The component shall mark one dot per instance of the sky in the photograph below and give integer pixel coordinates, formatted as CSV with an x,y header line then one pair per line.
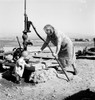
x,y
76,18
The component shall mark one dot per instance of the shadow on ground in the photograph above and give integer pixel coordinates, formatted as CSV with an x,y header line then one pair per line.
x,y
82,95
8,80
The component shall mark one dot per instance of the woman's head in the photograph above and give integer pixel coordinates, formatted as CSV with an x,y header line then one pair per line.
x,y
49,30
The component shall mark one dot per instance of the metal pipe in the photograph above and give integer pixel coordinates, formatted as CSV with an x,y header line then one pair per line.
x,y
24,6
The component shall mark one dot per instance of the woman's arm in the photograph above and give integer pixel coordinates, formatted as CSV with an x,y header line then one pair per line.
x,y
45,43
59,41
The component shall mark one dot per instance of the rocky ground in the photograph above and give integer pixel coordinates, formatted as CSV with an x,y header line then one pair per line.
x,y
55,89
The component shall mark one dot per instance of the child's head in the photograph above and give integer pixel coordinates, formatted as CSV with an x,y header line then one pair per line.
x,y
25,54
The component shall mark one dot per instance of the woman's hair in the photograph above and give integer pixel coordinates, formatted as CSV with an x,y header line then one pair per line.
x,y
48,26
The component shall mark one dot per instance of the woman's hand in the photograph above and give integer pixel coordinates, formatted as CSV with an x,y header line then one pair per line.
x,y
55,55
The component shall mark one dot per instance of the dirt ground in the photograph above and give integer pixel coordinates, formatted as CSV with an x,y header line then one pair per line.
x,y
56,89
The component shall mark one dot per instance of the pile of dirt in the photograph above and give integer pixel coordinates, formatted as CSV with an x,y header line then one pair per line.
x,y
43,75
